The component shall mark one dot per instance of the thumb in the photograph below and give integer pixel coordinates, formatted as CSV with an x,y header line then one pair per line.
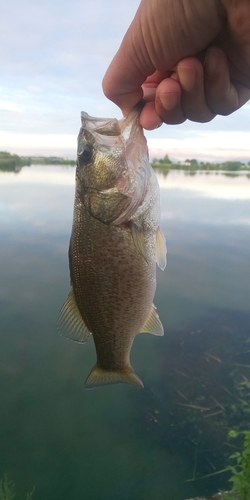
x,y
125,74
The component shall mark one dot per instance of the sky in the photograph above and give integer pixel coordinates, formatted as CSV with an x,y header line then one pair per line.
x,y
54,54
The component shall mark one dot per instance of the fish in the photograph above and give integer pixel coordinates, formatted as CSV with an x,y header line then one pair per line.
x,y
115,244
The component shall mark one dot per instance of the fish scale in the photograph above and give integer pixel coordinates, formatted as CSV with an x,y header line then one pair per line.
x,y
115,244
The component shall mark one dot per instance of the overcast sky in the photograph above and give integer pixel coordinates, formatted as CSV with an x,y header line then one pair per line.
x,y
54,54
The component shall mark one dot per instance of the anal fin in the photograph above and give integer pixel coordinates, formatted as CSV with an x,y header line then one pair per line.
x,y
70,322
99,377
153,324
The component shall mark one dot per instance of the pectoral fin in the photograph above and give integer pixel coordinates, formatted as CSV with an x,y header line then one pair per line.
x,y
153,324
70,323
161,250
98,377
138,239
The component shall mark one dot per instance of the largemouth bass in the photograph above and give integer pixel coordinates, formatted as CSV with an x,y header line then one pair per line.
x,y
114,247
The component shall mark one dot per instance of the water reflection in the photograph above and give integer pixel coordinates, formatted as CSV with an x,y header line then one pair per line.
x,y
139,444
213,185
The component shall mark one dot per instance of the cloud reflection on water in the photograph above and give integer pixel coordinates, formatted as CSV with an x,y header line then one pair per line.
x,y
45,408
210,185
205,199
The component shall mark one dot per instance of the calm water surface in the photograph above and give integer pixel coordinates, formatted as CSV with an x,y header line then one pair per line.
x,y
121,443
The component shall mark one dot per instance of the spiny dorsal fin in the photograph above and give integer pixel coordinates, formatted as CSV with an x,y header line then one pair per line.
x,y
138,239
153,324
98,377
70,323
161,250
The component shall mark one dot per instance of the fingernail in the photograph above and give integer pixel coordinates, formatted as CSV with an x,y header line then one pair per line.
x,y
186,77
169,100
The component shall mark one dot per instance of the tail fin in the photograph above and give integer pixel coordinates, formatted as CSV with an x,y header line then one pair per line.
x,y
98,377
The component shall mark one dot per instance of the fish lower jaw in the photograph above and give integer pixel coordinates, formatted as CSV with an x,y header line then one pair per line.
x,y
99,377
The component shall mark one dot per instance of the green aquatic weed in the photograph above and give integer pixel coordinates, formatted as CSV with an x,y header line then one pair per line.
x,y
240,470
7,490
30,495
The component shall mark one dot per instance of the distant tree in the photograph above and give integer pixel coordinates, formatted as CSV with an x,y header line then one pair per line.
x,y
166,159
4,154
194,162
232,166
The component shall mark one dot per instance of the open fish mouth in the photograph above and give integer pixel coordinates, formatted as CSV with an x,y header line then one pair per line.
x,y
125,127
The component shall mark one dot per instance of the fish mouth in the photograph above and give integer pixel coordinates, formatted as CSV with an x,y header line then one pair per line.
x,y
113,127
103,126
123,146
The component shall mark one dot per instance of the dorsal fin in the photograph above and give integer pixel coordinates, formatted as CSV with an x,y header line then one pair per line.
x,y
70,323
153,323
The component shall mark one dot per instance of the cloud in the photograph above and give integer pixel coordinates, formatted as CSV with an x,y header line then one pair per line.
x,y
53,58
213,145
39,144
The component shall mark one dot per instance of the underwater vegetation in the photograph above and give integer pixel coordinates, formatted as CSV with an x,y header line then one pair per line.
x,y
7,490
240,469
205,377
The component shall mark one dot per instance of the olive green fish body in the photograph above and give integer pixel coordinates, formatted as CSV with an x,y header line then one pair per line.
x,y
113,286
114,246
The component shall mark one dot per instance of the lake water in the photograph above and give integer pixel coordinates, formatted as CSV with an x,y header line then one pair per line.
x,y
119,442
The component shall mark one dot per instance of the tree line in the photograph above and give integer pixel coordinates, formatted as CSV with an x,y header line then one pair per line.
x,y
166,164
13,163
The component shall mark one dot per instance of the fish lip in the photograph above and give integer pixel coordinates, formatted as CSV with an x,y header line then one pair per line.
x,y
136,109
111,126
134,114
103,126
130,123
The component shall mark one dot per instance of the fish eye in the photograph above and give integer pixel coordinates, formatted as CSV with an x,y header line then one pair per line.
x,y
85,155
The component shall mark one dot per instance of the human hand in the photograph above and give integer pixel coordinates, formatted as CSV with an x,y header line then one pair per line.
x,y
187,59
